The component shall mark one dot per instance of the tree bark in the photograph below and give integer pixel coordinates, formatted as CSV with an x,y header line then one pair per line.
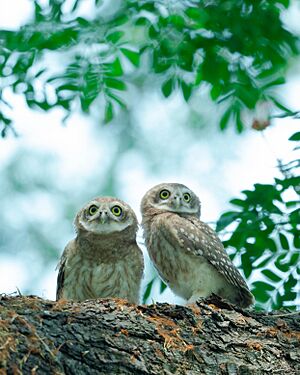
x,y
113,337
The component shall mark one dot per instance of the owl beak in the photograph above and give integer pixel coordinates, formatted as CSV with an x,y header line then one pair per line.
x,y
103,217
176,201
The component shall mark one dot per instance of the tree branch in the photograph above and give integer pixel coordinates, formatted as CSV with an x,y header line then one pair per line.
x,y
114,337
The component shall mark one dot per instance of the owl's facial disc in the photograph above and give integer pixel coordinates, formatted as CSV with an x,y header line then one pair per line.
x,y
105,218
176,199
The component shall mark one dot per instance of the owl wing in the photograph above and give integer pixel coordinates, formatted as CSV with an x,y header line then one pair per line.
x,y
61,266
199,239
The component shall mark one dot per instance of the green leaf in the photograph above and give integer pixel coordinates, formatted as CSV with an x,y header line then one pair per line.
x,y
283,241
281,106
246,264
271,275
294,259
75,5
271,245
289,285
295,216
114,68
115,36
215,91
283,267
276,82
239,123
177,20
186,90
292,203
225,118
121,103
163,286
115,84
148,290
167,87
239,202
261,291
226,219
295,137
296,241
109,114
132,56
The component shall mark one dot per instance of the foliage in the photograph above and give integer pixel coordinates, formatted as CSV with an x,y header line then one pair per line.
x,y
239,48
265,239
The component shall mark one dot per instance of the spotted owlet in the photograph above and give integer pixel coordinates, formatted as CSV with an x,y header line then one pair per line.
x,y
186,252
104,259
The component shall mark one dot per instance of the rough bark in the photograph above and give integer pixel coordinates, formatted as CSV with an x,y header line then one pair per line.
x,y
113,337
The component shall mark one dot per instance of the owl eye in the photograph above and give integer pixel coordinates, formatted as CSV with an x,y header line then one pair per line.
x,y
187,197
93,209
116,210
164,194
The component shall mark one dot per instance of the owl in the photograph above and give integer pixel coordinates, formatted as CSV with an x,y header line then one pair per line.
x,y
186,252
104,259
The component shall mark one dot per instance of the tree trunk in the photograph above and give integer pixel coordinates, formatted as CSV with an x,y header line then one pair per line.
x,y
114,337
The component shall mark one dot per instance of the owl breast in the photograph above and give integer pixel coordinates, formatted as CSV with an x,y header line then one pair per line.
x,y
86,279
185,273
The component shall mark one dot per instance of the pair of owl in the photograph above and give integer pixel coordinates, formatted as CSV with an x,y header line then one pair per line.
x,y
105,261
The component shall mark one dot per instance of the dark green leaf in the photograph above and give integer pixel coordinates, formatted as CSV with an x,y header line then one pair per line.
x,y
226,219
117,99
295,137
148,290
163,286
115,36
109,114
215,91
281,106
225,118
132,56
294,259
115,84
261,291
283,241
167,87
277,81
246,264
75,5
186,90
238,202
239,124
271,275
271,245
281,263
114,68
296,241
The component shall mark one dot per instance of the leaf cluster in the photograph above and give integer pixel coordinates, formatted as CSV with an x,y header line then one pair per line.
x,y
265,236
239,48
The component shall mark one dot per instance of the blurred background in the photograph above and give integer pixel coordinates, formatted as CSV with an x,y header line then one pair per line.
x,y
50,166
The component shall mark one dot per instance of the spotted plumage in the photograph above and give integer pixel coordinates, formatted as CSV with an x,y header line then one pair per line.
x,y
186,252
104,259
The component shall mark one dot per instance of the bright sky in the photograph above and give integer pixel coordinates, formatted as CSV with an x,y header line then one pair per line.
x,y
252,157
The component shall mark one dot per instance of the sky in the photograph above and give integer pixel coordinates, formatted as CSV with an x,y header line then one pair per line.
x,y
248,159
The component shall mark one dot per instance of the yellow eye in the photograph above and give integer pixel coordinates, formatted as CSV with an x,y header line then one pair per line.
x,y
187,197
164,194
93,209
116,210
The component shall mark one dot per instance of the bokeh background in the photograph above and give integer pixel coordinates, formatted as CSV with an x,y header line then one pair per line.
x,y
52,167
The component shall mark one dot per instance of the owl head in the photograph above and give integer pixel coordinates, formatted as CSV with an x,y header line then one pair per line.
x,y
106,215
171,197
